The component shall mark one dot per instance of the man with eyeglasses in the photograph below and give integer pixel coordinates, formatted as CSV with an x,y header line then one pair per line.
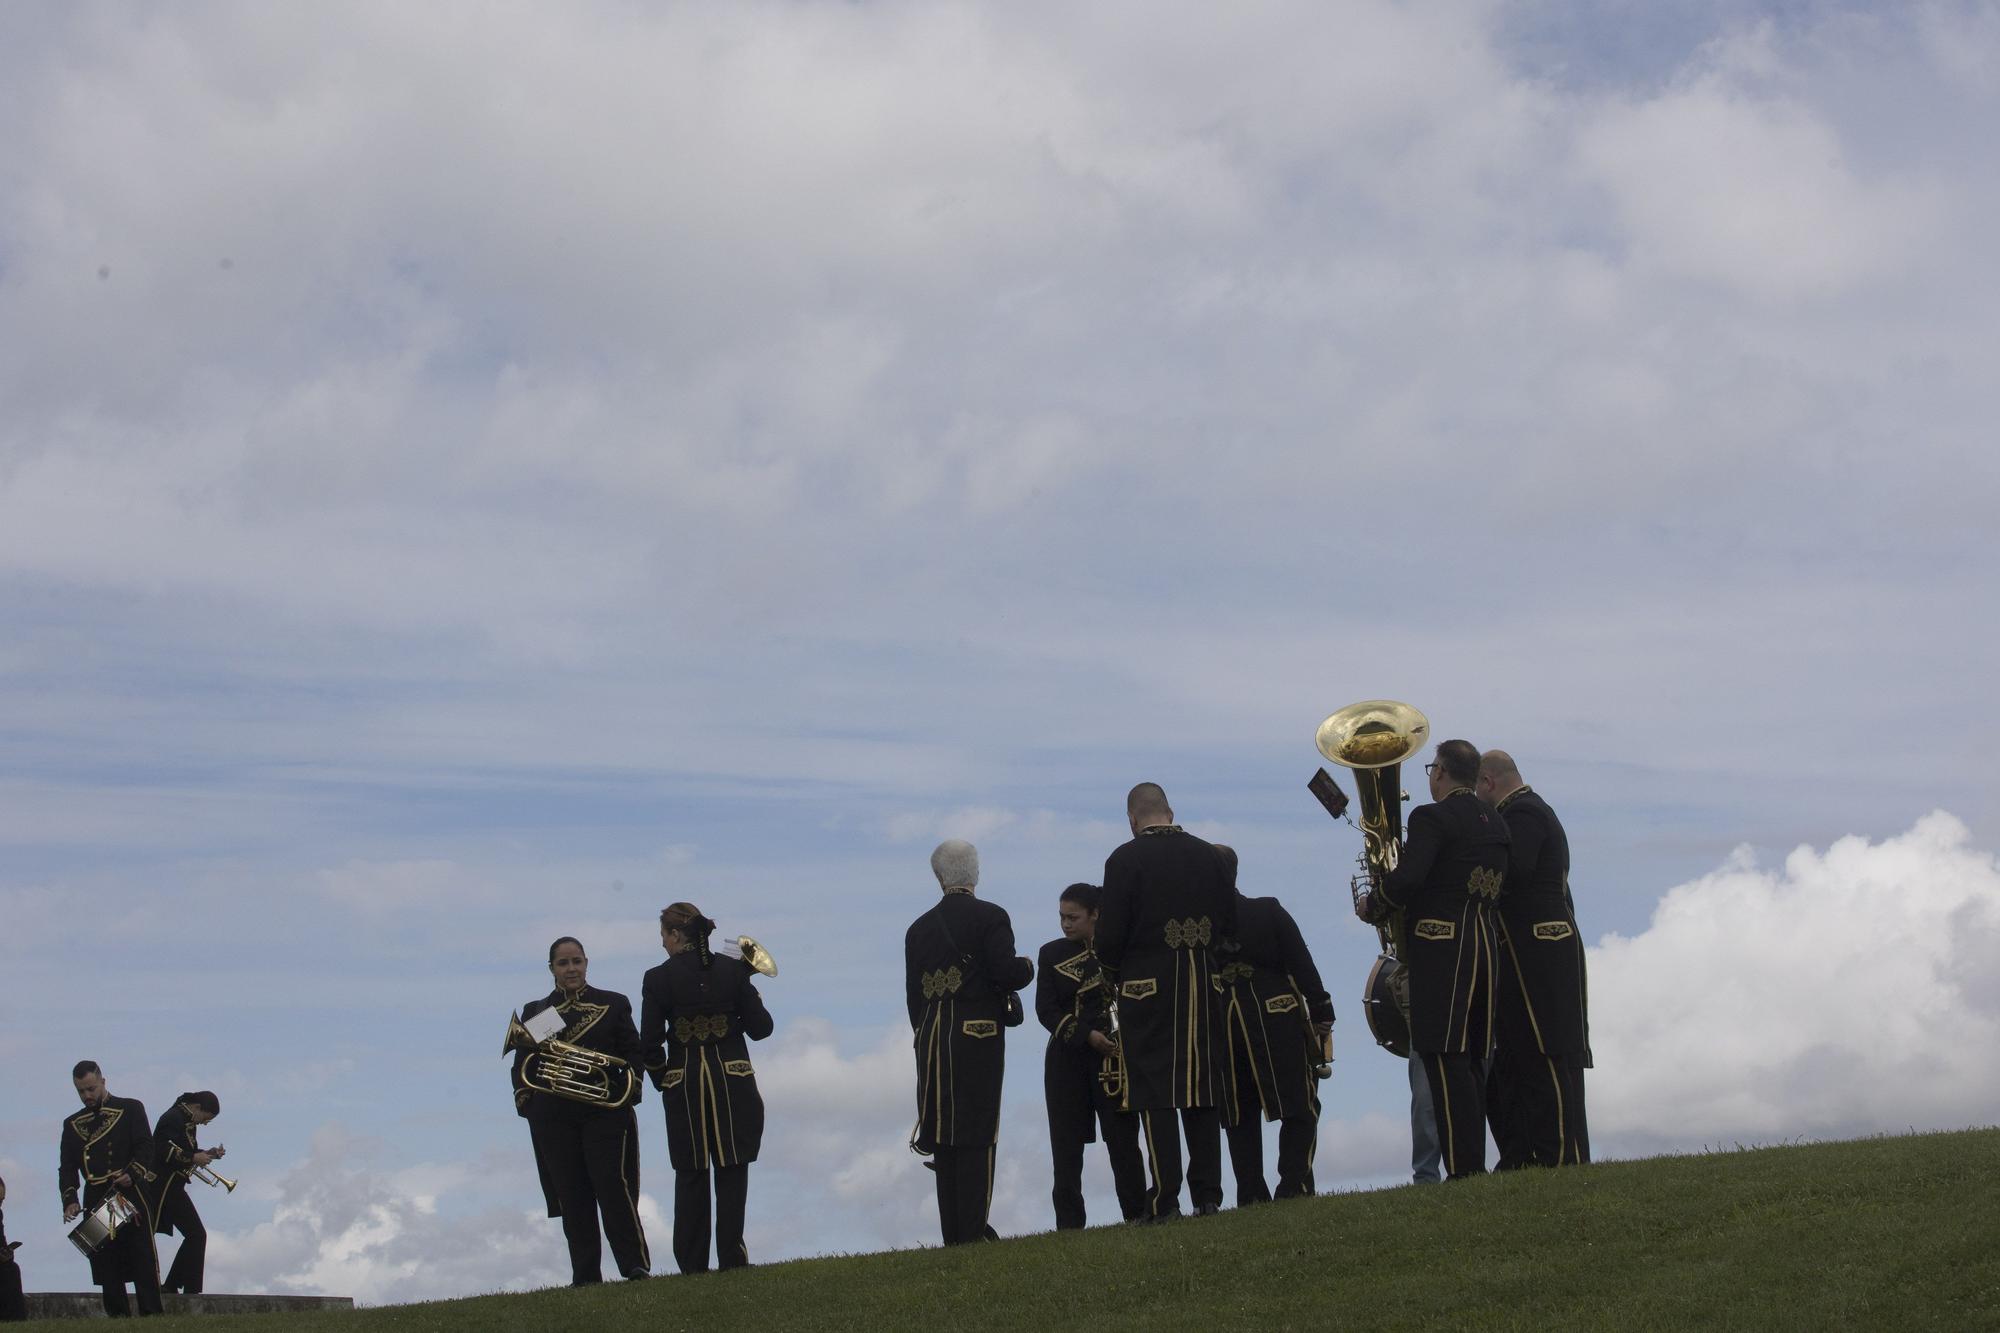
x,y
1452,868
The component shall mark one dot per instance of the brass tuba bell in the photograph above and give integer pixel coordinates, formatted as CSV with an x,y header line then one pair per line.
x,y
1373,738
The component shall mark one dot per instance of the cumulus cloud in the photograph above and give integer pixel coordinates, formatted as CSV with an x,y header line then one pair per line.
x,y
1848,991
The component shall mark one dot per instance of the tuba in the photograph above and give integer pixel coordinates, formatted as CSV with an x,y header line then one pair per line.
x,y
1373,738
563,1069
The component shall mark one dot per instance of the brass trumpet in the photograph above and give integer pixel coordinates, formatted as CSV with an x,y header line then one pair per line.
x,y
577,1073
208,1177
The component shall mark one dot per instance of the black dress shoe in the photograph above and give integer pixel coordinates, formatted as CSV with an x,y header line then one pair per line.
x,y
1207,1209
636,1274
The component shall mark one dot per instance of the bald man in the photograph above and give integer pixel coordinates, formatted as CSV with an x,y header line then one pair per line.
x,y
1169,902
1534,1091
958,965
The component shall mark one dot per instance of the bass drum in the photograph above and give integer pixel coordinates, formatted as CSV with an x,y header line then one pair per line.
x,y
1385,998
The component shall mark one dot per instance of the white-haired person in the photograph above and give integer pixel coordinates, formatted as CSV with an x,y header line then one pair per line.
x,y
959,971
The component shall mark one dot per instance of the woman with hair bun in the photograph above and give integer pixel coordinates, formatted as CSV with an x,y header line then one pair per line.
x,y
696,1009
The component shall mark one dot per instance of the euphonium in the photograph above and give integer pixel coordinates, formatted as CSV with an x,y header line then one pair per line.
x,y
1373,738
752,955
564,1069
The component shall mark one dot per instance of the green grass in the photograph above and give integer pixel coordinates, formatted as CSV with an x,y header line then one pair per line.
x,y
1880,1233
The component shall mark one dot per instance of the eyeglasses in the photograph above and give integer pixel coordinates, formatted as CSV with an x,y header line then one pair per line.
x,y
1431,769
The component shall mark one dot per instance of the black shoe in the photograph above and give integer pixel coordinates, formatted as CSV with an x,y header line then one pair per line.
x,y
1207,1209
636,1274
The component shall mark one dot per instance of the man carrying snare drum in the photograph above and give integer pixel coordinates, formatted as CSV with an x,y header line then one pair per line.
x,y
109,1144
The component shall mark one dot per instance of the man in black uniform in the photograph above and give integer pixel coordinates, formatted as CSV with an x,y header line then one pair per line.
x,y
175,1157
13,1304
109,1146
1077,1064
1451,870
958,966
1167,903
1278,1024
1542,1026
588,1155
695,1011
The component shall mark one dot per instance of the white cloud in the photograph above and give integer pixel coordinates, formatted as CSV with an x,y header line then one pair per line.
x,y
1851,991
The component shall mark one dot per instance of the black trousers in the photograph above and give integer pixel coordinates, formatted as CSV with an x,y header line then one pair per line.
x,y
1204,1158
135,1243
691,1225
1120,1131
587,1157
13,1305
1458,1104
1298,1136
179,1214
1535,1104
964,1192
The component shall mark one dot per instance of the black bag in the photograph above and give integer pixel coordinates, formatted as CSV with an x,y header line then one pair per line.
x,y
1012,1015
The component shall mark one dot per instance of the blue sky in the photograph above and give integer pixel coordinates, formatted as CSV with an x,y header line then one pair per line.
x,y
469,475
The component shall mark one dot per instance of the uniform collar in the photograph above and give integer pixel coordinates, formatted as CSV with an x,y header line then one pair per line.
x,y
1523,790
1161,828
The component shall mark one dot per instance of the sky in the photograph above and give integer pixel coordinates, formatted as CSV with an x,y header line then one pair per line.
x,y
476,473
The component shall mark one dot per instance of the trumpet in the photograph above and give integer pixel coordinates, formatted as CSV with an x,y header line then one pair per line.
x,y
210,1178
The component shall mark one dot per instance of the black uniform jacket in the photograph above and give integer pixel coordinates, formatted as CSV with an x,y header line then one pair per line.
x,y
1272,998
1452,869
1543,991
693,1026
958,961
97,1145
1167,903
174,1148
1070,1067
600,1020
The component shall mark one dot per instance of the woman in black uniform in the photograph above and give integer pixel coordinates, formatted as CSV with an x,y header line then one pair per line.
x,y
1080,1062
176,1155
696,1009
588,1153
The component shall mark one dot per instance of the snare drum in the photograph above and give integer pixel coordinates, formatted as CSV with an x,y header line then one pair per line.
x,y
1385,999
101,1223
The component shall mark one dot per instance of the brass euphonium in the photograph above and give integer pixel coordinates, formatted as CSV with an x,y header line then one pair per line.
x,y
752,955
1373,738
564,1069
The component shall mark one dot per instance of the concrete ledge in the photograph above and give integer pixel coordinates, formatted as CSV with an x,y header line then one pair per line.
x,y
90,1304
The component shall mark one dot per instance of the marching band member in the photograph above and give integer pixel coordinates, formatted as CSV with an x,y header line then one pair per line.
x,y
1072,1068
1452,868
958,966
1167,902
13,1304
109,1146
696,1011
1542,1038
1277,1021
175,1157
587,1155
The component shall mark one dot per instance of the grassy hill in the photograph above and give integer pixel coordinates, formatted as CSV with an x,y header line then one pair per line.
x,y
1881,1233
